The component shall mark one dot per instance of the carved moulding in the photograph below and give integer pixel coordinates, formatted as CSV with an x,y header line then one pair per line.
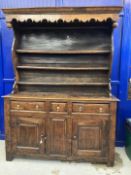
x,y
65,14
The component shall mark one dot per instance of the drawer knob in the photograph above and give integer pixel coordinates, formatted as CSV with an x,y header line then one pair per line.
x,y
17,106
74,137
45,138
80,109
58,108
100,109
37,107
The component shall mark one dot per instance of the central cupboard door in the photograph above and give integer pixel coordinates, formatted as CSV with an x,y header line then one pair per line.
x,y
59,142
90,136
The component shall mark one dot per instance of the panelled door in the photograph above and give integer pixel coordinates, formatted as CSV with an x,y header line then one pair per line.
x,y
60,136
28,135
89,137
59,142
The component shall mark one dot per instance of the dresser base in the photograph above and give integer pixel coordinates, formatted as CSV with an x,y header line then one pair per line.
x,y
68,129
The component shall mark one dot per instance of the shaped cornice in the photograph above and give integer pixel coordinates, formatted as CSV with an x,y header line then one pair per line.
x,y
64,14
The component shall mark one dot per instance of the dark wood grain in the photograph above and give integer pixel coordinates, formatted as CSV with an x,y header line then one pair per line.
x,y
64,60
88,138
72,90
68,130
57,142
28,134
61,106
65,39
66,77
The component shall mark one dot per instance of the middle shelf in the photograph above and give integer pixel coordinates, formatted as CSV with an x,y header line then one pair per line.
x,y
37,67
63,83
63,77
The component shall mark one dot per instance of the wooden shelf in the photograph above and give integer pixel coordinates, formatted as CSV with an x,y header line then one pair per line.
x,y
61,68
61,28
99,51
61,84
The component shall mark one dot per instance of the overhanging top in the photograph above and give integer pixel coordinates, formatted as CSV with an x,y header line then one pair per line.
x,y
66,14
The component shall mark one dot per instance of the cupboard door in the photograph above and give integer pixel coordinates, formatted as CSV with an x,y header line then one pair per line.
x,y
90,137
58,137
28,135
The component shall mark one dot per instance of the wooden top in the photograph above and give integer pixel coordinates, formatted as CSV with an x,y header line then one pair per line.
x,y
65,14
56,96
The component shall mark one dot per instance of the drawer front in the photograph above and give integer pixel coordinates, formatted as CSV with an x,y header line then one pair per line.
x,y
30,106
90,108
58,107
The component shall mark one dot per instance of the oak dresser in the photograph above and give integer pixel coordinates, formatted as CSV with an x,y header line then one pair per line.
x,y
61,106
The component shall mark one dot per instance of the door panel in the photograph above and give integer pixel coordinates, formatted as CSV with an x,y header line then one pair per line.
x,y
89,137
28,135
58,142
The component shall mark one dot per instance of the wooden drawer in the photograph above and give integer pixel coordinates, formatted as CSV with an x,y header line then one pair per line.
x,y
90,108
58,107
31,106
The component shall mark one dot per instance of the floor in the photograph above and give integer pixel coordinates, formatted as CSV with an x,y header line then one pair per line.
x,y
42,167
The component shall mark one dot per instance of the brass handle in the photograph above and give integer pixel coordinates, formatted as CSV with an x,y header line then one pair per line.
x,y
80,109
17,106
37,106
100,109
74,137
58,108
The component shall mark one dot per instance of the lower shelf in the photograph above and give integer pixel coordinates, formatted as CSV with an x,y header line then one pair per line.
x,y
63,83
90,91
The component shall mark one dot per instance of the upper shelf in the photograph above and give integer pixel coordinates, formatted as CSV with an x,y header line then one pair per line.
x,y
99,51
64,40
